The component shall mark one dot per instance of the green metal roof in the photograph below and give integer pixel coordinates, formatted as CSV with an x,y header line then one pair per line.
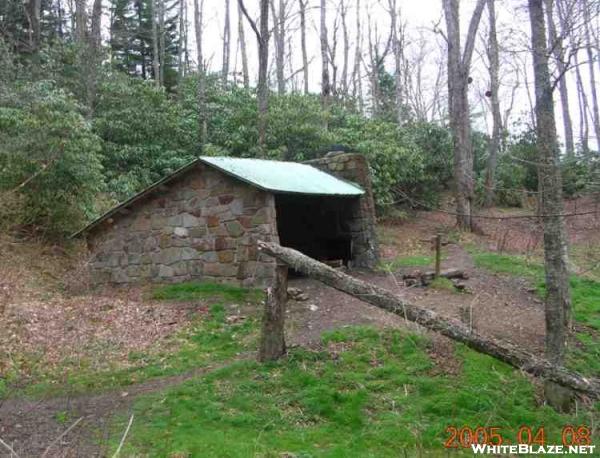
x,y
273,176
284,177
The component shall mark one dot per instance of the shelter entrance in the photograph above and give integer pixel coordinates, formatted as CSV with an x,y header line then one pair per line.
x,y
318,226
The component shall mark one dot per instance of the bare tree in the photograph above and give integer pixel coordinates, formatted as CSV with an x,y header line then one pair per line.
x,y
34,11
161,41
181,43
279,33
201,88
325,83
92,54
377,55
96,37
583,108
262,36
332,50
425,102
558,301
226,45
458,82
81,21
397,45
302,6
356,73
155,51
557,47
591,69
494,66
343,14
242,42
566,11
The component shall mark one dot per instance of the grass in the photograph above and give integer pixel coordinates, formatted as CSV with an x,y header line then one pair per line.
x,y
584,355
192,291
586,258
208,339
371,395
508,264
442,283
406,261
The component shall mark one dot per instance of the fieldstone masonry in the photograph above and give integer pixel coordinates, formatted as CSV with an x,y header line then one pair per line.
x,y
354,167
204,225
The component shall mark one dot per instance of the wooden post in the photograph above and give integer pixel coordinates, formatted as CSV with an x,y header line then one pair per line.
x,y
438,254
454,329
272,340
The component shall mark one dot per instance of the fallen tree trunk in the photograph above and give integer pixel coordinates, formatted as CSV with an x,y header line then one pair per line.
x,y
447,273
425,278
453,329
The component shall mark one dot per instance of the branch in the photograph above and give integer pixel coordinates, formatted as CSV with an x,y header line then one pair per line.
x,y
65,432
470,41
250,20
125,433
454,329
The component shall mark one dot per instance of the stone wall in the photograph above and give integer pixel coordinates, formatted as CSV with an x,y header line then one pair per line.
x,y
203,225
354,167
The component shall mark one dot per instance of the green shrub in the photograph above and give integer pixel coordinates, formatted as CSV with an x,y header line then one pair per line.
x,y
50,171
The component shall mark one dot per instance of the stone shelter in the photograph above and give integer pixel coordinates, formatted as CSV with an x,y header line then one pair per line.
x,y
203,221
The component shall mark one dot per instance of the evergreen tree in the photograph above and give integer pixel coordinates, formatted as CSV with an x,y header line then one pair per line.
x,y
131,38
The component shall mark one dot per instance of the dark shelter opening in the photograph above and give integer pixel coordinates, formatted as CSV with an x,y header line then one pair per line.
x,y
318,226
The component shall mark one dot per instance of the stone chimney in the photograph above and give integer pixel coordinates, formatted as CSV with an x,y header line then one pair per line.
x,y
354,167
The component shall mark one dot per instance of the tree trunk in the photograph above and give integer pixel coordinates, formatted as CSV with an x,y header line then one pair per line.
x,y
344,78
332,51
356,76
34,14
242,41
80,21
97,25
161,41
397,48
226,45
280,48
93,51
202,125
325,84
557,46
558,301
302,4
181,43
592,71
262,90
584,129
263,66
458,101
155,51
456,330
494,146
272,339
377,59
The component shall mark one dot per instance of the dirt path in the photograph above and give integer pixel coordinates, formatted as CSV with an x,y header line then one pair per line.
x,y
497,305
30,426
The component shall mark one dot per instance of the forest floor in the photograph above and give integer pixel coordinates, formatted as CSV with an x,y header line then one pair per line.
x,y
89,359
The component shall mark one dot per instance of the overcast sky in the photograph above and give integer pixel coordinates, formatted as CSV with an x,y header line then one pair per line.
x,y
421,17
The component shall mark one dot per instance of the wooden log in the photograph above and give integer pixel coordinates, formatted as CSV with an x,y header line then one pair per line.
x,y
438,255
430,274
426,277
454,329
272,340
